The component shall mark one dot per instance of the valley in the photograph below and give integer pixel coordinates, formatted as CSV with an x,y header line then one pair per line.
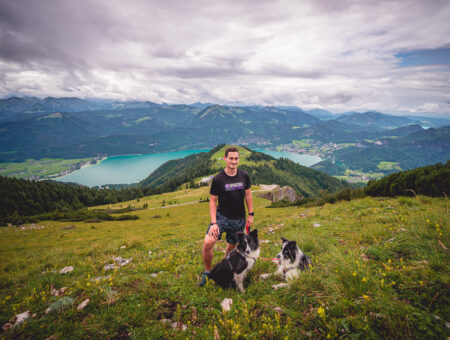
x,y
360,142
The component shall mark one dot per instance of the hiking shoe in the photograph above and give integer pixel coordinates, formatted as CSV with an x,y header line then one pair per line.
x,y
205,277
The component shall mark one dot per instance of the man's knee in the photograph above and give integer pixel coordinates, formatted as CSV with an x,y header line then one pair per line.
x,y
209,241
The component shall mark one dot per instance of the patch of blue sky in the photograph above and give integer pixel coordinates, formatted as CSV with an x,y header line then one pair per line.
x,y
439,56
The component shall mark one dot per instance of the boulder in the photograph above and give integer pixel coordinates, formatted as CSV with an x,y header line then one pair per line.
x,y
278,194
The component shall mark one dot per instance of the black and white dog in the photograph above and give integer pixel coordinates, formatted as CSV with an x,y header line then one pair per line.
x,y
290,261
233,269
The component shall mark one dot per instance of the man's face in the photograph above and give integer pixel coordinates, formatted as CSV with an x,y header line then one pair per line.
x,y
232,160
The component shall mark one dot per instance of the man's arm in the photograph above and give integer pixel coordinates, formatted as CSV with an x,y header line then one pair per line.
x,y
249,202
214,230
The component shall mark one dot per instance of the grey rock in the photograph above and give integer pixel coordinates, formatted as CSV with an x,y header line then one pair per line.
x,y
284,193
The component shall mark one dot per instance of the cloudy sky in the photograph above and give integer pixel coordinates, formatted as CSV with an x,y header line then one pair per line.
x,y
391,56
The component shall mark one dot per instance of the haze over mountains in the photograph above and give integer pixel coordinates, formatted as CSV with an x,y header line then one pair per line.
x,y
74,128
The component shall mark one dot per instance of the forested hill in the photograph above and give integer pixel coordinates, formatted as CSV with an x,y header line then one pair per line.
x,y
431,180
262,168
19,197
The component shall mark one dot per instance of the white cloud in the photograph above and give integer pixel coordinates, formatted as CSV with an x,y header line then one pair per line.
x,y
335,55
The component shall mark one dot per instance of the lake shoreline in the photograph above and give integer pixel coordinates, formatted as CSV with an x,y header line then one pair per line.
x,y
82,166
132,168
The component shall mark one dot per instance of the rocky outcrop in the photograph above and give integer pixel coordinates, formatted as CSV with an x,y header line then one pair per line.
x,y
278,194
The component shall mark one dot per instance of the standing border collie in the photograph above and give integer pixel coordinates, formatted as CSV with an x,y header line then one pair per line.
x,y
290,261
234,268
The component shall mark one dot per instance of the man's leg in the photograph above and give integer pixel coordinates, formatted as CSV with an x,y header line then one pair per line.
x,y
234,227
229,248
207,251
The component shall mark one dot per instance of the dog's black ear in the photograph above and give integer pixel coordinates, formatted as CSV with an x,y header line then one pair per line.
x,y
254,232
284,240
292,243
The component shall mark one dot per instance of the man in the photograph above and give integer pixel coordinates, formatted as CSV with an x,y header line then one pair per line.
x,y
229,188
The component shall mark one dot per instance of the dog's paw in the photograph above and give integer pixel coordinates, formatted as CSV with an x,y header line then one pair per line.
x,y
280,285
265,276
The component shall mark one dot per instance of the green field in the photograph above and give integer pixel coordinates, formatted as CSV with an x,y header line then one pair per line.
x,y
358,176
380,270
346,145
42,167
302,143
389,166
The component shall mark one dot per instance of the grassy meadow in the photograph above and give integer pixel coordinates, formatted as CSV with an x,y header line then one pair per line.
x,y
380,270
40,167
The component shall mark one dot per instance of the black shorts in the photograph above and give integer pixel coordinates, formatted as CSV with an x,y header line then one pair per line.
x,y
230,227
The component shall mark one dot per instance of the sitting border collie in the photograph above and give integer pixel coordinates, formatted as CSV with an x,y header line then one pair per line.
x,y
233,269
290,261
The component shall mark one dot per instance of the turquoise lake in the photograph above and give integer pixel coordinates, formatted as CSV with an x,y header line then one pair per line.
x,y
305,160
134,168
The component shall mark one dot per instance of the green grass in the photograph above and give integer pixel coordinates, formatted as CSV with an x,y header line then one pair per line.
x,y
353,174
303,143
380,270
389,166
43,167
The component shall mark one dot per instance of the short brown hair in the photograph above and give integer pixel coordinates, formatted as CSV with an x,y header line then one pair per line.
x,y
231,149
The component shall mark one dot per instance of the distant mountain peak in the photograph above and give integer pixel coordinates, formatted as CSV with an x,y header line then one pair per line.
x,y
214,112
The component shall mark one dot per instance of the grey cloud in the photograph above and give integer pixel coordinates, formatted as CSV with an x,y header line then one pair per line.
x,y
199,71
337,54
340,98
285,71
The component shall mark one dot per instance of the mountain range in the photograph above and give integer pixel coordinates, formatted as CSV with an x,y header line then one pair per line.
x,y
76,128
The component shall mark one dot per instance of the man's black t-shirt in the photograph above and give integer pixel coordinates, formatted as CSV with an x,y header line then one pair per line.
x,y
231,192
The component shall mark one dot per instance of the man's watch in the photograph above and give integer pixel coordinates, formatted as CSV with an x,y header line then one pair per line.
x,y
251,214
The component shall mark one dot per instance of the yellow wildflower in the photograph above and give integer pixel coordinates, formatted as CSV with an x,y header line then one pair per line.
x,y
321,312
366,297
354,274
364,280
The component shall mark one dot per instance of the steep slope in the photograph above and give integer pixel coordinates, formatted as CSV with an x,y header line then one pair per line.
x,y
11,106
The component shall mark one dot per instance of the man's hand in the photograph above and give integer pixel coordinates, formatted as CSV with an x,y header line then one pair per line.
x,y
250,220
214,231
